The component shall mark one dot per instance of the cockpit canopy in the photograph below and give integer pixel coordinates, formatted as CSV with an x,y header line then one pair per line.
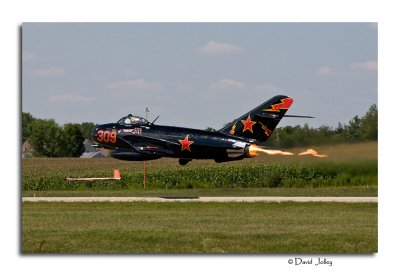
x,y
132,120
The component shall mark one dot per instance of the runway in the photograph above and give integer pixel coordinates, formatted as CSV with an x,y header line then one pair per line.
x,y
200,199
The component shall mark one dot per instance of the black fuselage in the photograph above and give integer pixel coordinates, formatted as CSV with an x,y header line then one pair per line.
x,y
134,138
148,141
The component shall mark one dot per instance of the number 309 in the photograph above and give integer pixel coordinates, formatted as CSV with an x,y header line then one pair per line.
x,y
107,136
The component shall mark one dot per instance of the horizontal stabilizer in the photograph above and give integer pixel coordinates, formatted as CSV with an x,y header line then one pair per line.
x,y
299,116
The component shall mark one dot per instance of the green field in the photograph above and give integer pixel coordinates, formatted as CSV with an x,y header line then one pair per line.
x,y
350,169
191,227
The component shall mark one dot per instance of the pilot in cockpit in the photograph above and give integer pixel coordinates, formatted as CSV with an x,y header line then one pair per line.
x,y
130,119
127,120
134,120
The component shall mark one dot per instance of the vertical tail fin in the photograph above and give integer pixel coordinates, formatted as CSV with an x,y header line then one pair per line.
x,y
259,123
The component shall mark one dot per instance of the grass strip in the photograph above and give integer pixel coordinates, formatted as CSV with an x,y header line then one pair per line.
x,y
190,227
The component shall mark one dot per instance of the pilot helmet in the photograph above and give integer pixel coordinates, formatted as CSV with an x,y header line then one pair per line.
x,y
134,119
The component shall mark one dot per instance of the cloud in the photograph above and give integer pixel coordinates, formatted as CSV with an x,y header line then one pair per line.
x,y
369,65
354,69
325,70
226,84
70,98
267,88
216,48
49,72
27,56
138,84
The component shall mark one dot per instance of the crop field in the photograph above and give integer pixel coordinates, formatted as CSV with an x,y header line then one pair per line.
x,y
193,227
351,168
205,227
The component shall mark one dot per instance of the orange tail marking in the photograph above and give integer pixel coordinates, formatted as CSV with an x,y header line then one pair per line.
x,y
285,104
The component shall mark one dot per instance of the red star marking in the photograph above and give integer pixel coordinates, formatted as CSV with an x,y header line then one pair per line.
x,y
248,124
185,143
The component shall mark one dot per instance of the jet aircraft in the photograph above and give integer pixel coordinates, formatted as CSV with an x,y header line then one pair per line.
x,y
134,138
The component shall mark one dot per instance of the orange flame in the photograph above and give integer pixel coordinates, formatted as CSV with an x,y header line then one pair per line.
x,y
254,149
312,152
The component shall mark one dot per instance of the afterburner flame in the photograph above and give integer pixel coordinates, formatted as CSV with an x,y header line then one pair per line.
x,y
254,150
313,153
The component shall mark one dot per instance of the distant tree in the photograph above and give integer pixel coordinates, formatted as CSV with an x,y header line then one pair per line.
x,y
209,129
86,129
286,137
358,129
27,120
324,131
72,140
369,124
339,129
46,138
353,130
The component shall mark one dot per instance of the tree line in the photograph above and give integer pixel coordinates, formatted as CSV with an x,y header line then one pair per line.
x,y
49,139
358,129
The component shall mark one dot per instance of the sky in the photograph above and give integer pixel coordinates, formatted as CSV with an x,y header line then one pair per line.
x,y
311,62
197,75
